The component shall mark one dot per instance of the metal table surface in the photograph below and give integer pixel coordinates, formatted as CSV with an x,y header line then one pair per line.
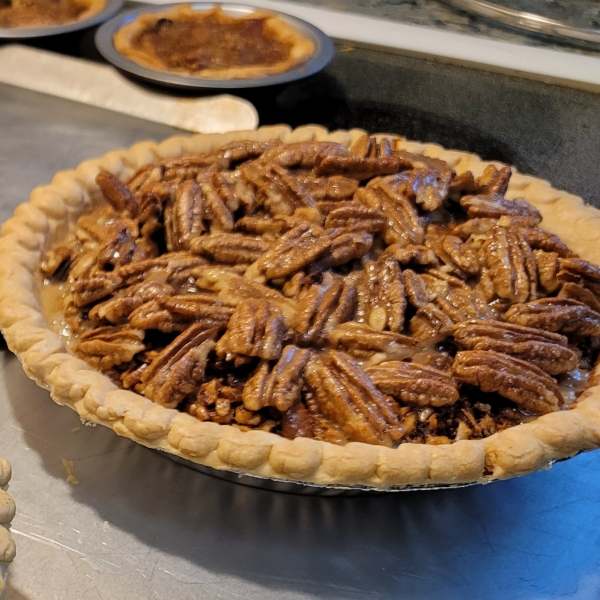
x,y
139,526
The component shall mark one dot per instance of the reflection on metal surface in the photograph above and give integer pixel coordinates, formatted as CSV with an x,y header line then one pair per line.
x,y
112,8
527,20
324,52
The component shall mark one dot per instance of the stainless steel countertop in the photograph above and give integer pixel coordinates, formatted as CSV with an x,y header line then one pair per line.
x,y
139,526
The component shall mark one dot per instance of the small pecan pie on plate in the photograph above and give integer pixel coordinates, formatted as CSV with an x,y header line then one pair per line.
x,y
330,308
24,14
212,44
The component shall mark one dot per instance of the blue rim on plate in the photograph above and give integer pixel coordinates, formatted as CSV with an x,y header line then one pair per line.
x,y
112,8
324,51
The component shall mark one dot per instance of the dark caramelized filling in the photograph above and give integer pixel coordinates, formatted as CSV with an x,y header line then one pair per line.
x,y
204,41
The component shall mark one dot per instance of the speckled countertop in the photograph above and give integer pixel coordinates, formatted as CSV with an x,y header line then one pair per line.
x,y
434,13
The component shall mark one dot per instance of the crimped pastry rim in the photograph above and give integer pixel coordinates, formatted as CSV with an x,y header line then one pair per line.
x,y
7,512
512,452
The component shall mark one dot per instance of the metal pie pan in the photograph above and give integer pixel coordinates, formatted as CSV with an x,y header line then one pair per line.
x,y
324,51
112,8
527,20
303,489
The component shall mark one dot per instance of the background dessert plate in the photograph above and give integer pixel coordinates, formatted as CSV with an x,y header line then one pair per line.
x,y
111,8
324,52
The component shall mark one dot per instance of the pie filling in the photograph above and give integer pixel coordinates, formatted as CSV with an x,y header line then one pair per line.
x,y
367,295
41,13
212,43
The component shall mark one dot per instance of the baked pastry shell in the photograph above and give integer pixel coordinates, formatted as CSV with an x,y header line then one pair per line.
x,y
7,512
301,47
52,212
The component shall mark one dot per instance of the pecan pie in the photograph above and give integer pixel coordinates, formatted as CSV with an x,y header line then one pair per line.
x,y
7,512
329,308
28,14
212,44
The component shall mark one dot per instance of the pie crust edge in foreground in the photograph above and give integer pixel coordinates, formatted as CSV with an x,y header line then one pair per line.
x,y
52,209
7,512
301,50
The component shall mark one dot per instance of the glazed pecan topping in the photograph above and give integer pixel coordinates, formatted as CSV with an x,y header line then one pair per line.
x,y
365,294
55,262
280,385
404,225
370,220
177,313
430,324
548,351
176,371
105,347
414,384
548,265
118,195
495,206
412,255
184,217
510,264
451,250
517,380
578,292
381,297
256,328
494,181
557,315
294,251
581,272
230,248
542,240
347,244
87,291
363,341
429,181
322,306
347,396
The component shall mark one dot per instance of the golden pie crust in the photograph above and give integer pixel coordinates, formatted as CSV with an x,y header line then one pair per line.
x,y
54,209
31,14
7,512
222,52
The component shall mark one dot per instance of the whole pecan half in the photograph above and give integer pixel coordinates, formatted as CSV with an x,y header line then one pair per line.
x,y
548,351
279,385
363,342
381,297
230,248
414,384
176,371
295,250
510,264
346,395
322,306
184,216
495,206
178,312
105,347
563,315
256,328
548,265
519,381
